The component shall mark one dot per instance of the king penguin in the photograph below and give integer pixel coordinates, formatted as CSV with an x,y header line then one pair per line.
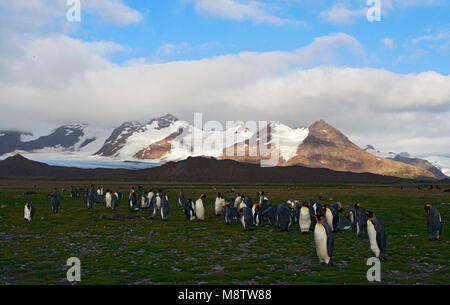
x,y
350,214
90,197
434,222
238,200
144,201
158,201
245,216
218,205
181,200
284,217
228,212
256,214
200,208
152,207
377,235
305,218
323,240
55,202
108,199
114,200
28,213
165,208
361,220
189,210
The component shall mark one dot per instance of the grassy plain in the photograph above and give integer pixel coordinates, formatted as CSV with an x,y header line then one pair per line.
x,y
179,252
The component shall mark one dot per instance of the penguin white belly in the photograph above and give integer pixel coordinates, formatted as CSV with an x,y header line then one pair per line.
x,y
199,210
108,200
158,203
329,217
27,214
320,240
372,233
149,197
218,206
305,219
143,202
192,211
237,202
357,227
352,218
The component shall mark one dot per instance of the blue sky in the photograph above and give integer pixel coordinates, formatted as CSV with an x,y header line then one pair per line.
x,y
194,33
383,83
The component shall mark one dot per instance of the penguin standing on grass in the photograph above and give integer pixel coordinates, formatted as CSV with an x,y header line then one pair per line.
x,y
132,201
90,197
265,204
323,240
114,200
165,208
361,220
152,207
150,196
158,201
245,217
189,209
284,217
28,213
108,199
256,214
200,208
55,202
350,214
305,218
144,201
228,212
271,214
377,235
218,205
181,200
434,222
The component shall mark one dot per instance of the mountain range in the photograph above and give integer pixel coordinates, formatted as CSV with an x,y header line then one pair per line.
x,y
166,139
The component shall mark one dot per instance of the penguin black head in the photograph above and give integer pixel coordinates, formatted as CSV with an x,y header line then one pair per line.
x,y
262,193
341,210
203,196
189,200
427,208
347,216
369,214
356,206
305,204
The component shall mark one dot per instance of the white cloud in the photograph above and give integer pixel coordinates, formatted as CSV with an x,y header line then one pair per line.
x,y
439,40
114,11
255,11
340,14
50,15
348,11
74,81
388,42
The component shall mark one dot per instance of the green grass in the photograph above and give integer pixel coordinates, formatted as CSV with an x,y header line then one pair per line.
x,y
181,252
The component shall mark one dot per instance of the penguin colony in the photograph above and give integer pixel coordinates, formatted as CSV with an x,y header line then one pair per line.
x,y
322,220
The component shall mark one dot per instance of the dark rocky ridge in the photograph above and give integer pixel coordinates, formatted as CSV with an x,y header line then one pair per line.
x,y
197,170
